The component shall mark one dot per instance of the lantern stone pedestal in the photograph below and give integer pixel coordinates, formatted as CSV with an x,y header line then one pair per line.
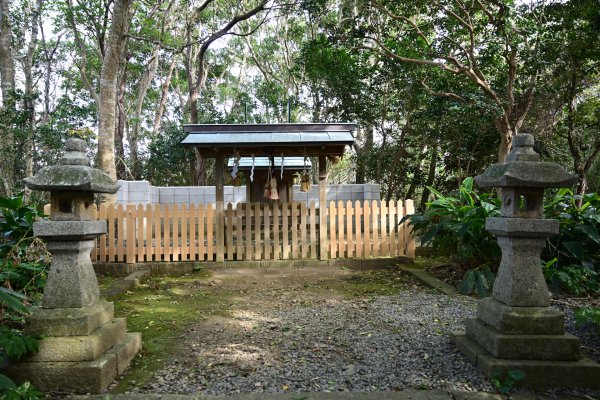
x,y
515,329
84,348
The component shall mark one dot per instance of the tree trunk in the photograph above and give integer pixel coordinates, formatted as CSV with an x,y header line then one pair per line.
x,y
163,99
134,135
362,152
108,90
506,135
28,101
121,127
430,176
7,85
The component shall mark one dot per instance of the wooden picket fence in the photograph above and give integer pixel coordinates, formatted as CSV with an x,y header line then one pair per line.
x,y
253,231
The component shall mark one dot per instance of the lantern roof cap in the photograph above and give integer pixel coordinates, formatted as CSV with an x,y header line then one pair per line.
x,y
74,173
523,169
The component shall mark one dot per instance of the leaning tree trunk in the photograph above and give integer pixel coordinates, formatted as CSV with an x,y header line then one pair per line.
x,y
506,136
108,90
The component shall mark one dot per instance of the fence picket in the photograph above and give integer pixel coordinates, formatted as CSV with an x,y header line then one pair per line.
x,y
285,230
267,232
276,241
332,210
349,237
147,242
376,250
400,229
304,243
183,232
157,232
175,233
313,230
248,219
383,213
294,227
410,243
229,231
193,248
340,229
358,229
120,233
210,230
367,228
392,207
239,234
257,226
201,233
102,255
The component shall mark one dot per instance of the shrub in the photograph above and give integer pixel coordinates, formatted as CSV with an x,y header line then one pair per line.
x,y
455,225
23,264
578,242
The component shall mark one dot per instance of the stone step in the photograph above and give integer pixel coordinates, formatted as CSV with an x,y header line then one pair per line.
x,y
525,320
538,373
69,321
81,348
126,349
79,377
565,347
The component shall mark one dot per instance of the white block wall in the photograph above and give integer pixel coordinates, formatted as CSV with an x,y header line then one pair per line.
x,y
141,192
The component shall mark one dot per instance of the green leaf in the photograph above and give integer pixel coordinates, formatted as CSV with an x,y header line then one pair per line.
x,y
489,276
590,231
516,374
468,282
6,383
11,203
480,285
575,249
12,300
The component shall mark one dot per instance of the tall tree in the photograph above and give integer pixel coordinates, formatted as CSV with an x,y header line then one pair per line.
x,y
489,43
7,86
107,98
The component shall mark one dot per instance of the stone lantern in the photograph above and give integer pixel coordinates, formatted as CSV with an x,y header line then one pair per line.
x,y
84,346
515,329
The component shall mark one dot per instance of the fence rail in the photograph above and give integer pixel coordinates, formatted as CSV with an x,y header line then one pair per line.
x,y
253,231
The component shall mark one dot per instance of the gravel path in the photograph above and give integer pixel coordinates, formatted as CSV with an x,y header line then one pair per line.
x,y
293,330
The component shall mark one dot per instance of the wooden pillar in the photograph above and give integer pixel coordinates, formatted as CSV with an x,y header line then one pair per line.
x,y
323,245
248,190
290,190
220,207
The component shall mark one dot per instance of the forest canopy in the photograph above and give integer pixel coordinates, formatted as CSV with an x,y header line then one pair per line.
x,y
437,88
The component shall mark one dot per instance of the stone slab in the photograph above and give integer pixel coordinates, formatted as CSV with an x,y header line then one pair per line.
x,y
126,350
69,230
69,321
524,320
565,347
522,227
583,373
539,374
67,377
81,348
410,394
430,281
